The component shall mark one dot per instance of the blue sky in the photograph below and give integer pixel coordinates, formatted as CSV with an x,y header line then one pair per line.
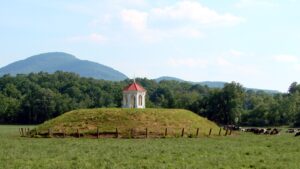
x,y
254,42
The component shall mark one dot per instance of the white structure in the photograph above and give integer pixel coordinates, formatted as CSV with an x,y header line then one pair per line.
x,y
134,96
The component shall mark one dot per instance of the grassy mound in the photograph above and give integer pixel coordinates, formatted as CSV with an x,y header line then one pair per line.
x,y
108,119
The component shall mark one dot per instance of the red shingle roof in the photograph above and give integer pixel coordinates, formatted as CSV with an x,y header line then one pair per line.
x,y
134,87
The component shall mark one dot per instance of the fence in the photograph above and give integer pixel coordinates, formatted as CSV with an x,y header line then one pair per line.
x,y
164,133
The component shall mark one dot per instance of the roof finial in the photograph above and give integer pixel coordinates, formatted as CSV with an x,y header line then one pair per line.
x,y
133,78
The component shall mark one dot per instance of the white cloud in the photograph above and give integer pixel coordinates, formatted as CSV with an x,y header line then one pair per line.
x,y
185,32
255,3
137,2
188,62
291,60
103,20
286,59
235,53
153,21
221,61
194,12
135,19
138,21
182,19
94,38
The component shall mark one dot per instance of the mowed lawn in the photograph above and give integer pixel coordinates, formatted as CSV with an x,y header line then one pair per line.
x,y
243,151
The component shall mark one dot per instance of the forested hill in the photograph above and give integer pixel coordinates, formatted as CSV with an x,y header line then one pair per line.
x,y
34,98
58,61
211,84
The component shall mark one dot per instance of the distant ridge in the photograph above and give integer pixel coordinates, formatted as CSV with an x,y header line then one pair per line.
x,y
168,78
211,84
60,61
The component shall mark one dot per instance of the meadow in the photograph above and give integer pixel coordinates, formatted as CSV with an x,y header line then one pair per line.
x,y
238,151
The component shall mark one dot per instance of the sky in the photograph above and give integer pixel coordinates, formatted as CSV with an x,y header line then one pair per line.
x,y
253,42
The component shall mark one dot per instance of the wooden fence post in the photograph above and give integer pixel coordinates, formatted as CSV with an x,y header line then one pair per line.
x,y
182,132
97,132
146,133
210,131
22,132
230,132
131,133
226,132
197,132
49,133
166,132
117,133
220,131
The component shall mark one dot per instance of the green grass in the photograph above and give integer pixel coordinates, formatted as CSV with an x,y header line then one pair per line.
x,y
156,120
239,151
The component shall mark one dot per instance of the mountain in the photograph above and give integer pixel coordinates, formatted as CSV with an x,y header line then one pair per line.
x,y
211,84
59,61
168,78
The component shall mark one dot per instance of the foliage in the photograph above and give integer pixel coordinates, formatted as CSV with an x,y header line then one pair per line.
x,y
35,98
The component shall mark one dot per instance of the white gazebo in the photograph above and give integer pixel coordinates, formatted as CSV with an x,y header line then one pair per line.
x,y
134,96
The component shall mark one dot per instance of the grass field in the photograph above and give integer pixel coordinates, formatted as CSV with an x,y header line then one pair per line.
x,y
243,151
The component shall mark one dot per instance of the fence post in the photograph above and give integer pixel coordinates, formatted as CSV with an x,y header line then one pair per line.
x,y
230,132
226,132
210,131
197,132
97,132
131,133
117,133
166,132
22,132
182,133
146,132
49,133
220,131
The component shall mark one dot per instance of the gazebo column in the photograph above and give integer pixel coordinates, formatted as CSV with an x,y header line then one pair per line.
x,y
136,101
144,101
128,104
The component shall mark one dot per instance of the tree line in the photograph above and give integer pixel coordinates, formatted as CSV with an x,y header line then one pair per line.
x,y
37,97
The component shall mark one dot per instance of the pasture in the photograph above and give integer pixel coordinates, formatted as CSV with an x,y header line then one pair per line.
x,y
240,151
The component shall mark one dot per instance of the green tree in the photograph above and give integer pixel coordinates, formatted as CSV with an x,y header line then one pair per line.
x,y
226,106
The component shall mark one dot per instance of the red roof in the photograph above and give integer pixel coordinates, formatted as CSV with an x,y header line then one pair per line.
x,y
134,87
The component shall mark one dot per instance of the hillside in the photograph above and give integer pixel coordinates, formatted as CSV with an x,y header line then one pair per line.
x,y
156,120
212,84
58,61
